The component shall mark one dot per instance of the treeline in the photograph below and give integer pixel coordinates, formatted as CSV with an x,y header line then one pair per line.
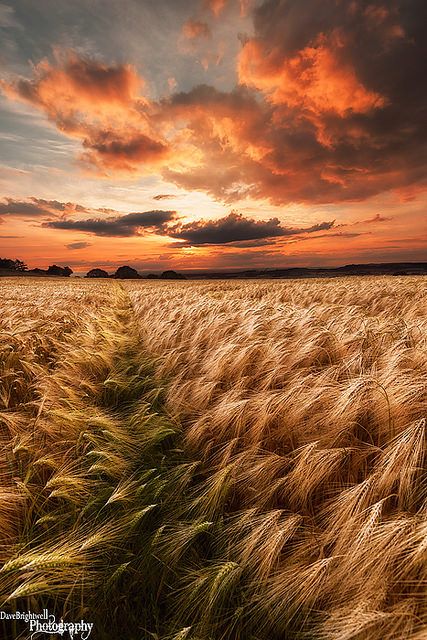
x,y
19,266
128,273
123,273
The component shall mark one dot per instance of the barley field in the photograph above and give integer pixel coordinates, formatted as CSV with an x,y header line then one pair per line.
x,y
215,460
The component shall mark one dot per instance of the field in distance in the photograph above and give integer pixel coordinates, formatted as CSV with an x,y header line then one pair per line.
x,y
215,460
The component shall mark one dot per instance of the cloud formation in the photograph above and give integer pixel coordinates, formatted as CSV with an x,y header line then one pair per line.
x,y
216,6
233,229
132,224
163,196
195,29
36,207
237,228
98,104
334,118
330,106
377,218
73,84
78,245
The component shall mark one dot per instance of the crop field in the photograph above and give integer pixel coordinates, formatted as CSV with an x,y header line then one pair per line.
x,y
215,460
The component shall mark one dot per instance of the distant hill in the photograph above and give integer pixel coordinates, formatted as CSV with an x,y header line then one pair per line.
x,y
382,269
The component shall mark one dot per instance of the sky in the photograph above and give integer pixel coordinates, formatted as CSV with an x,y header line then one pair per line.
x,y
212,134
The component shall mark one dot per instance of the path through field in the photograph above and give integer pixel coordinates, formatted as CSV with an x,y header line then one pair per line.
x,y
94,476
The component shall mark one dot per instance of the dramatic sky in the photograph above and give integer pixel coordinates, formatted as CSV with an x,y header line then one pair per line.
x,y
212,134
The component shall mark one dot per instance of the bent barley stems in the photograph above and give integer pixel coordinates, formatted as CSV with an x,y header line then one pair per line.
x,y
216,460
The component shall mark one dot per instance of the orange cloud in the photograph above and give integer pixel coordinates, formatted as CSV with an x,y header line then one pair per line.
x,y
100,105
315,80
328,108
216,6
74,84
244,7
194,29
250,149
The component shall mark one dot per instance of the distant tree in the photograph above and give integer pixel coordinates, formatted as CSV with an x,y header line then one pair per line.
x,y
152,276
13,265
20,265
172,275
97,273
55,270
126,273
6,263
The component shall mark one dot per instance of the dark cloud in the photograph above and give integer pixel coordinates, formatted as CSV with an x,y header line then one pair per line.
x,y
377,218
163,196
340,234
233,229
121,150
343,234
32,207
78,245
236,228
132,224
40,208
252,244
